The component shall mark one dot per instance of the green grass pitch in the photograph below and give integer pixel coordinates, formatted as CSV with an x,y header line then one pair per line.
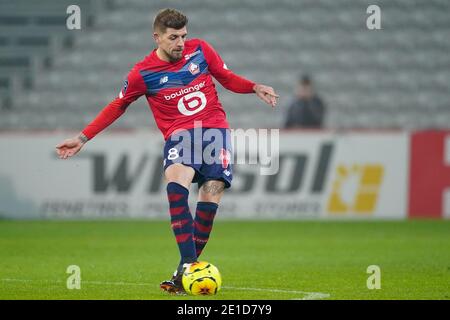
x,y
258,260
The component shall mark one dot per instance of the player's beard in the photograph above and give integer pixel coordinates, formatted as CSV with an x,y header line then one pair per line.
x,y
175,55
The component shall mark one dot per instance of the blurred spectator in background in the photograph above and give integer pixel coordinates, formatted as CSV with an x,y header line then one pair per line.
x,y
307,109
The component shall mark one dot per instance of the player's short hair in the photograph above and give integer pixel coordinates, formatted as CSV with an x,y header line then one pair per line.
x,y
169,18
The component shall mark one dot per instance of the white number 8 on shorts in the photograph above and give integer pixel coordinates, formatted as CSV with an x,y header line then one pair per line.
x,y
173,154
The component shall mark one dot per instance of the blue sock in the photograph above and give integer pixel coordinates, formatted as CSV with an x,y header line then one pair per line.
x,y
181,221
204,217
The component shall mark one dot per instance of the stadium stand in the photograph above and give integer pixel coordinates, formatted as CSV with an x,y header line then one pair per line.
x,y
397,77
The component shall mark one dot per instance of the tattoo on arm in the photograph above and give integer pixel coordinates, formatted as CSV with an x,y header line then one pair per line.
x,y
82,138
213,187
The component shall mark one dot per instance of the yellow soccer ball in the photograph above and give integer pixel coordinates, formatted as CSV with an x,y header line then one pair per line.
x,y
201,278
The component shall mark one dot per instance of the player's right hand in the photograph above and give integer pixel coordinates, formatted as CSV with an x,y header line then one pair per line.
x,y
266,94
69,147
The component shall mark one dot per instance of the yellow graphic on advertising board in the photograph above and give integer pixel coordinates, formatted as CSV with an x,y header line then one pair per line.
x,y
356,189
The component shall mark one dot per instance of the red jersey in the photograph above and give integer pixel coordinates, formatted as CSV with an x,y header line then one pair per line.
x,y
179,93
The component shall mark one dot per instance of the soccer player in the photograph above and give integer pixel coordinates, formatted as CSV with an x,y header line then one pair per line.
x,y
176,79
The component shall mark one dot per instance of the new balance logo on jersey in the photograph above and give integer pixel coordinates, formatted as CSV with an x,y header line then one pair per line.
x,y
184,91
163,79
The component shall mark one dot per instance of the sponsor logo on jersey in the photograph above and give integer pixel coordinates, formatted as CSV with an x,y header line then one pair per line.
x,y
188,56
192,103
225,66
124,89
184,91
194,68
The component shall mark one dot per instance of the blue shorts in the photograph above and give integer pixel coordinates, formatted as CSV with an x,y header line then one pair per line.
x,y
207,150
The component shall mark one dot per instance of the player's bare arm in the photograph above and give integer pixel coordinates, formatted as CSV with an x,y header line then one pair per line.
x,y
71,146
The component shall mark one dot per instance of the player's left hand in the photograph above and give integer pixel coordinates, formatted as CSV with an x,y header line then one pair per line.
x,y
266,94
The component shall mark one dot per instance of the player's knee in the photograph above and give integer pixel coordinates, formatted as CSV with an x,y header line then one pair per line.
x,y
180,174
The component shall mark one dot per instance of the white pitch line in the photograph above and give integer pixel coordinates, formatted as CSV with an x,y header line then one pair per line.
x,y
308,295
